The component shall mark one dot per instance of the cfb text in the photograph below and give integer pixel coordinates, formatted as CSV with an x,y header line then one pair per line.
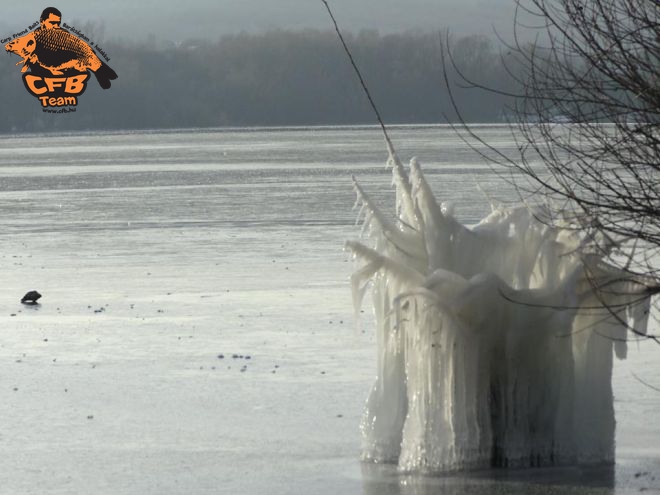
x,y
56,91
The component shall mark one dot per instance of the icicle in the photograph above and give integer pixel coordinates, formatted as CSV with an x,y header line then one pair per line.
x,y
406,242
495,346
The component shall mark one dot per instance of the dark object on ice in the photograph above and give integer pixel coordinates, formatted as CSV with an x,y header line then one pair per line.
x,y
31,297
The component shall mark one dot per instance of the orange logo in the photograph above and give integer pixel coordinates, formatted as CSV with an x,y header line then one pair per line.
x,y
58,61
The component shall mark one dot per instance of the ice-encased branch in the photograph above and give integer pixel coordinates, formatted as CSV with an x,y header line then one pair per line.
x,y
495,343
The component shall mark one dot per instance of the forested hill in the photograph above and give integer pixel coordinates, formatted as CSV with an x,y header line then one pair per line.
x,y
275,78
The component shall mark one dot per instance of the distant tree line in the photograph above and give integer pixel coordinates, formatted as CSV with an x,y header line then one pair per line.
x,y
274,78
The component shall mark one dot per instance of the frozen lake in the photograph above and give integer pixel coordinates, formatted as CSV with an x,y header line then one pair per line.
x,y
196,332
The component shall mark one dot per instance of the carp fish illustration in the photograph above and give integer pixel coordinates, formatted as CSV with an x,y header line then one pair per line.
x,y
57,50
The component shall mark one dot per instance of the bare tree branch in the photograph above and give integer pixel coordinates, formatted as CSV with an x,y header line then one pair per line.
x,y
586,122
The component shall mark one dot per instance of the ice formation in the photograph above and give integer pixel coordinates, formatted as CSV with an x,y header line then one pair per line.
x,y
493,347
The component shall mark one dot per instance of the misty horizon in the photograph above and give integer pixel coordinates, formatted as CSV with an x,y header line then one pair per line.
x,y
170,22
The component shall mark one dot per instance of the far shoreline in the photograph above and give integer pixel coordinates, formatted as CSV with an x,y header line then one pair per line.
x,y
236,129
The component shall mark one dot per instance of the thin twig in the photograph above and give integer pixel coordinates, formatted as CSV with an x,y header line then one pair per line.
x,y
390,147
645,383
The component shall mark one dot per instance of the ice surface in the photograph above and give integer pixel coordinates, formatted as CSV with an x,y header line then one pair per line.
x,y
242,253
494,347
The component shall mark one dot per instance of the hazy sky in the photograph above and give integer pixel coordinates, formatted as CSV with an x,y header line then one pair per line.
x,y
180,19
